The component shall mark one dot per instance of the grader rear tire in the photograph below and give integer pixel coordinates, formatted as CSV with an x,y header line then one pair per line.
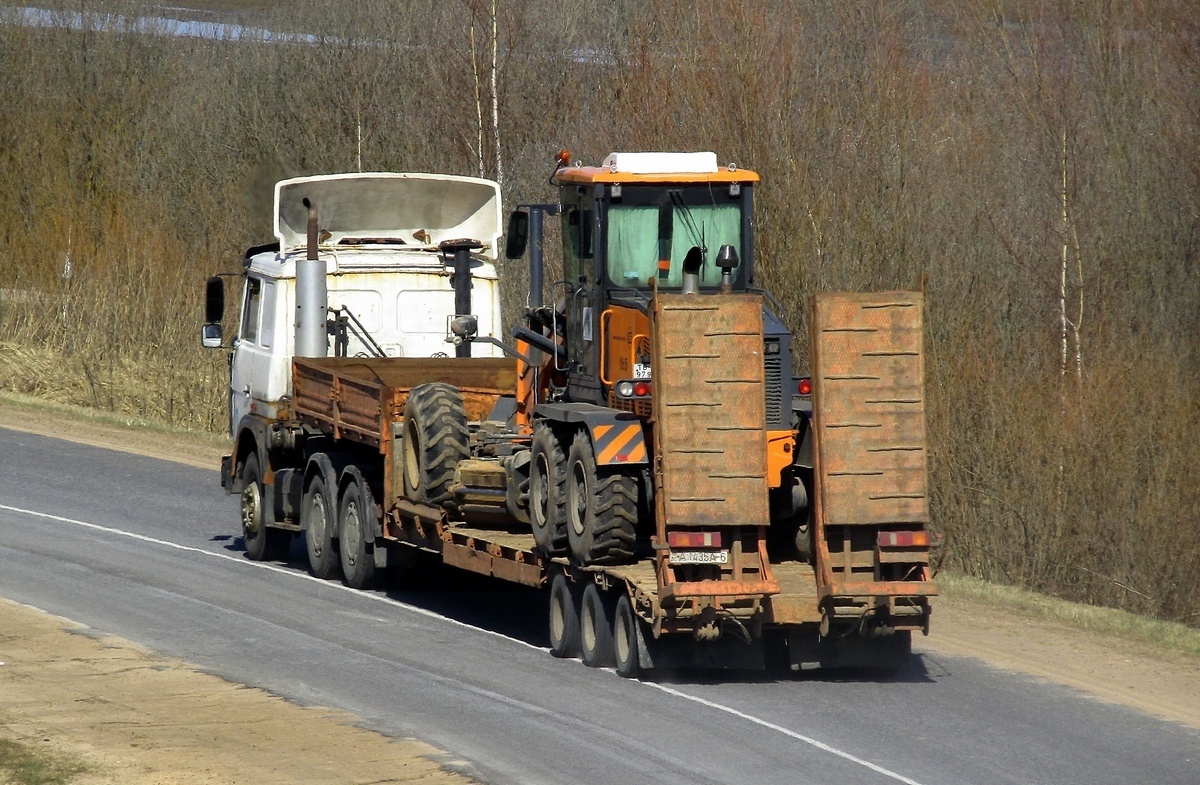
x,y
601,506
547,491
436,439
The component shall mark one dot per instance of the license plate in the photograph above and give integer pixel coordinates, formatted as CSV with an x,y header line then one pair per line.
x,y
641,371
699,557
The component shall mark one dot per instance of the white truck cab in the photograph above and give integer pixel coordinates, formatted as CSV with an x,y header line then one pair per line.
x,y
387,276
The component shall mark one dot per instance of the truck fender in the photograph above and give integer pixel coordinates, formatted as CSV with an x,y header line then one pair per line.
x,y
251,437
618,437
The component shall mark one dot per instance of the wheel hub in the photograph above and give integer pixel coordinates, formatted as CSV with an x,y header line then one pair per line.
x,y
251,504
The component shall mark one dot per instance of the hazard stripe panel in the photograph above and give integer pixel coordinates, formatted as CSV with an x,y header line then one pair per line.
x,y
619,443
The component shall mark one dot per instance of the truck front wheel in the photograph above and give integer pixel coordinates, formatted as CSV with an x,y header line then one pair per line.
x,y
262,542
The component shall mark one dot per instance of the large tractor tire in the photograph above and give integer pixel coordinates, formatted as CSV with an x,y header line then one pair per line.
x,y
263,543
547,491
601,508
436,439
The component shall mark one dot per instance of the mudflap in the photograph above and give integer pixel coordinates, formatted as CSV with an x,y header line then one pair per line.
x,y
806,650
683,652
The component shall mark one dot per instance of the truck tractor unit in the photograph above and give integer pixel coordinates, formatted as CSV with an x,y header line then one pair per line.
x,y
638,445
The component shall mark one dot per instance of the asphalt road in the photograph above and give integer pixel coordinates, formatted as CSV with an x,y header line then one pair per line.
x,y
148,550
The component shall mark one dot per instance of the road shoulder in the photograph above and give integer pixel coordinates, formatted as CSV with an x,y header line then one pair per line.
x,y
134,717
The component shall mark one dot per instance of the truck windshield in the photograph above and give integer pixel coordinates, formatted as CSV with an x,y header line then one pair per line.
x,y
652,225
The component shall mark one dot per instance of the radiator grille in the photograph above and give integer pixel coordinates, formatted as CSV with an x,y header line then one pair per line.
x,y
774,390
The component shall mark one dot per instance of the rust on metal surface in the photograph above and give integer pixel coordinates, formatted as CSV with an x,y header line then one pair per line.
x,y
797,601
709,410
870,446
359,398
869,390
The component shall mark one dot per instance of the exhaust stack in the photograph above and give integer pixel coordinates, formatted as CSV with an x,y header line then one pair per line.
x,y
312,297
460,252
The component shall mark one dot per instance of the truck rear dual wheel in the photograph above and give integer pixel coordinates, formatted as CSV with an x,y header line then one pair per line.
x,y
356,525
320,522
436,439
601,508
547,491
263,543
596,613
564,617
625,640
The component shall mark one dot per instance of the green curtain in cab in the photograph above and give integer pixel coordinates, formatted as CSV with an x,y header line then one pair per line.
x,y
633,242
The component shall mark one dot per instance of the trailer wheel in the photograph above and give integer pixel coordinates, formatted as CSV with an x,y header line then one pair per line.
x,y
354,527
601,508
564,618
320,521
262,542
596,628
625,640
547,494
435,440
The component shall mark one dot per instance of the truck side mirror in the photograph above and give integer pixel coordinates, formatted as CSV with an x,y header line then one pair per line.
x,y
211,336
214,311
518,234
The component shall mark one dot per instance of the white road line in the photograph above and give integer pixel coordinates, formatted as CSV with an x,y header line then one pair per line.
x,y
820,745
273,568
790,733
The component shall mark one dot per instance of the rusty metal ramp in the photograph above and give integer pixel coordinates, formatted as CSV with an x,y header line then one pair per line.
x,y
869,395
709,409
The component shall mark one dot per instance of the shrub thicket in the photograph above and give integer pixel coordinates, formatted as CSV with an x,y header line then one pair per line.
x,y
1034,166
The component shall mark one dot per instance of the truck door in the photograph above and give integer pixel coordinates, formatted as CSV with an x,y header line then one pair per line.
x,y
250,371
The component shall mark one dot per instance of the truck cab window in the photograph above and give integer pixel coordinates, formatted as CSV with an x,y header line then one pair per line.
x,y
251,309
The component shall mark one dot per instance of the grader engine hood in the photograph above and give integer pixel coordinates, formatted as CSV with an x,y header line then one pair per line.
x,y
419,210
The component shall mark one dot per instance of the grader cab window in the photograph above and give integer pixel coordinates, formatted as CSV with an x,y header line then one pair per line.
x,y
650,233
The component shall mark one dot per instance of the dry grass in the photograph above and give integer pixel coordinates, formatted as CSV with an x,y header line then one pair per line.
x,y
1145,630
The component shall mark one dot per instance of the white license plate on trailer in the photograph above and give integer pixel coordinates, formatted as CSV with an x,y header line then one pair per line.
x,y
699,557
641,371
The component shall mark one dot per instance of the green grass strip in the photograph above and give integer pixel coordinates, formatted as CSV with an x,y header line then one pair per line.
x,y
1163,635
23,764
